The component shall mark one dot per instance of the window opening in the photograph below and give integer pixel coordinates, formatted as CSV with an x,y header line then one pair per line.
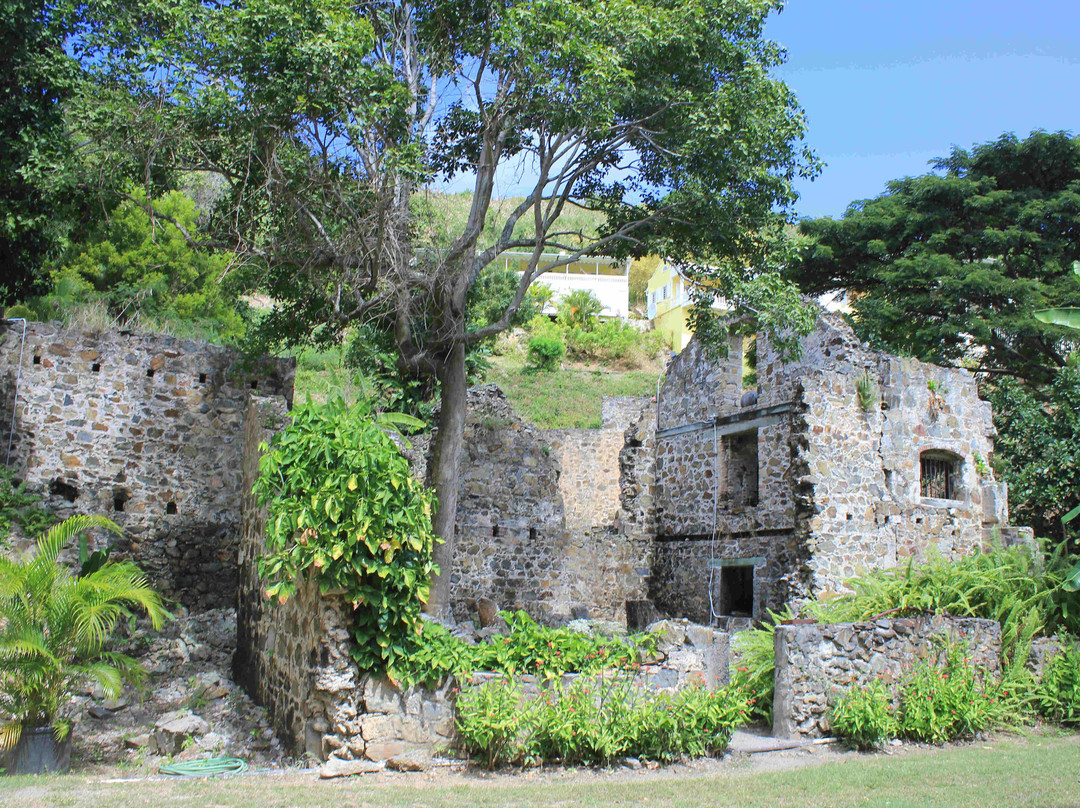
x,y
740,458
939,475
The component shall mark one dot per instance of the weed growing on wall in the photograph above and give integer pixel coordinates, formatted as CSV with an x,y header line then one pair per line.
x,y
345,511
21,507
595,719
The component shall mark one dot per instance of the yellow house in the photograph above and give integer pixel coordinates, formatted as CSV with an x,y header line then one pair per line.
x,y
668,303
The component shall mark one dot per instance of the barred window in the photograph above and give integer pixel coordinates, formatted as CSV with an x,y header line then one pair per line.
x,y
939,475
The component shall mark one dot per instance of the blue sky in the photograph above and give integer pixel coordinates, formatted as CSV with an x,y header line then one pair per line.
x,y
888,86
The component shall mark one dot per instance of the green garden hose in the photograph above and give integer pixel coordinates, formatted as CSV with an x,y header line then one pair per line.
x,y
205,767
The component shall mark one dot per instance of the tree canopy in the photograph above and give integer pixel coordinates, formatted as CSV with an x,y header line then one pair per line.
x,y
325,117
951,265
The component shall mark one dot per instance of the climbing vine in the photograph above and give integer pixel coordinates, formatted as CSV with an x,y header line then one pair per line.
x,y
345,511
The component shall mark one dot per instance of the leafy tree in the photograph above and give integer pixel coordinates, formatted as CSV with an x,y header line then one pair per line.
x,y
950,266
35,78
146,267
1038,449
325,118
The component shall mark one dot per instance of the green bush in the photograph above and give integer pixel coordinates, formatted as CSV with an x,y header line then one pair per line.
x,y
941,703
344,508
863,716
546,346
1057,695
528,648
580,309
596,719
614,341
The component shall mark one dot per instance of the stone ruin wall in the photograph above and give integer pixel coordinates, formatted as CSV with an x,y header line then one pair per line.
x,y
293,658
838,488
537,515
144,429
816,663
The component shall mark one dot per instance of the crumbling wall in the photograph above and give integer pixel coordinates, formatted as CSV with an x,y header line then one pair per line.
x,y
145,429
840,485
816,663
294,657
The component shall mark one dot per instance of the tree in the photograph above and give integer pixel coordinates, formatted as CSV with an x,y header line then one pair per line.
x,y
326,117
950,266
35,77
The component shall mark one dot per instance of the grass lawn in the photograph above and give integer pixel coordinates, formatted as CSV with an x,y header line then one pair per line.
x,y
566,399
1036,771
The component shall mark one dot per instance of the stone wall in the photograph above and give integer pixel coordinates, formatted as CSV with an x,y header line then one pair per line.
x,y
815,663
293,658
767,501
618,412
144,429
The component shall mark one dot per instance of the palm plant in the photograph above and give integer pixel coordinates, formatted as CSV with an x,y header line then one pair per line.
x,y
54,625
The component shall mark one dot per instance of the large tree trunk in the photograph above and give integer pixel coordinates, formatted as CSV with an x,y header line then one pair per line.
x,y
445,473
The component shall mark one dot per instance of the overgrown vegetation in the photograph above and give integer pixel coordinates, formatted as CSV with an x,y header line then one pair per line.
x,y
940,700
595,719
345,510
20,507
1007,585
528,648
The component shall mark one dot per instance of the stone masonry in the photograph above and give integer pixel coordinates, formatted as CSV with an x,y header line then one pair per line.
x,y
766,502
816,663
145,429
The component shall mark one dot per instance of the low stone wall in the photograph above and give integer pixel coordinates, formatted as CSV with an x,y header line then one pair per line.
x,y
618,412
816,662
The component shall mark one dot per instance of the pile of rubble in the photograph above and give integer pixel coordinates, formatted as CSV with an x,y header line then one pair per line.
x,y
187,708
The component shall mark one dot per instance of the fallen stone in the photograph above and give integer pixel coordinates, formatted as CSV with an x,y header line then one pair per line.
x,y
169,737
137,741
385,750
416,760
98,711
336,767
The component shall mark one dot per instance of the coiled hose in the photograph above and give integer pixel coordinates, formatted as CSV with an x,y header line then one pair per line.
x,y
205,767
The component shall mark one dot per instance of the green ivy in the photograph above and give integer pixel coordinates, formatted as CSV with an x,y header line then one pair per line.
x,y
345,510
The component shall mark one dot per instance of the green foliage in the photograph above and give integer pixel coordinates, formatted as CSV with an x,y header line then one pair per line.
x,y
529,648
864,717
950,266
867,392
346,512
54,628
20,507
580,309
754,662
595,719
1057,695
1037,450
546,346
941,703
145,268
615,342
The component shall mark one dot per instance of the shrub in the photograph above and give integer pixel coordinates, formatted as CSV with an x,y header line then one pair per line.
x,y
1057,695
863,716
615,341
580,309
20,507
528,648
345,509
596,719
546,346
941,703
754,658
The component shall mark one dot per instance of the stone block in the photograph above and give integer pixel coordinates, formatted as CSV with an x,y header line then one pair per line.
x,y
336,767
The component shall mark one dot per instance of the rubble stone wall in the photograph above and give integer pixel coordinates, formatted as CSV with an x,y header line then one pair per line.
x,y
145,429
838,481
816,663
293,657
